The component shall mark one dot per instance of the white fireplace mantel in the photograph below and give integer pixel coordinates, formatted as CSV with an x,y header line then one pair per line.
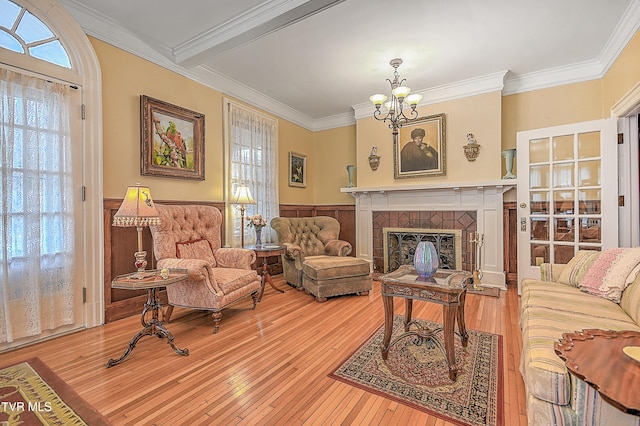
x,y
486,198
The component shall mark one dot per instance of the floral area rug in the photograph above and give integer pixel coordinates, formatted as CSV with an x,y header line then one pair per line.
x,y
417,376
32,394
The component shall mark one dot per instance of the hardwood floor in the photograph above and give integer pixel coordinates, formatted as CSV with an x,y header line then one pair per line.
x,y
265,367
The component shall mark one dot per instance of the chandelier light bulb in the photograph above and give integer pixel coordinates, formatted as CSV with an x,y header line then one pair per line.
x,y
401,92
414,99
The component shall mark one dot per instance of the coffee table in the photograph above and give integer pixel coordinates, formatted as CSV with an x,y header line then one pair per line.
x,y
597,357
447,288
153,327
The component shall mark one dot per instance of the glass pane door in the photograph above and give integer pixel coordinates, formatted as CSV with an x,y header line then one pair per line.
x,y
561,191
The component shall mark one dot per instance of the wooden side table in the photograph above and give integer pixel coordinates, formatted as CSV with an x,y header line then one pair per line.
x,y
446,287
263,252
597,357
153,327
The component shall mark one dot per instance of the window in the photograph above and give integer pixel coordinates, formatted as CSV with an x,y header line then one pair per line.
x,y
252,146
22,32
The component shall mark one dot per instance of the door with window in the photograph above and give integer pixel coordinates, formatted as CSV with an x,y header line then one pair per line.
x,y
567,193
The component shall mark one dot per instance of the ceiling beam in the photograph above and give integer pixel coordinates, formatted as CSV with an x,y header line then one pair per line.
x,y
251,25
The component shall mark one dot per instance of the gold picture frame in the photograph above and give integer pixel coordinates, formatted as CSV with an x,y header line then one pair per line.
x,y
297,170
419,148
172,140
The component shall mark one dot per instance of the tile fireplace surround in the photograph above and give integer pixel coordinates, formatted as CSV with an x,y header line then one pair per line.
x,y
467,206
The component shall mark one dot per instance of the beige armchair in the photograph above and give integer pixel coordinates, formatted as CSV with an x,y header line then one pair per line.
x,y
317,260
189,238
305,237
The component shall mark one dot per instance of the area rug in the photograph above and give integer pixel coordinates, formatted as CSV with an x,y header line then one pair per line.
x,y
32,394
485,291
417,376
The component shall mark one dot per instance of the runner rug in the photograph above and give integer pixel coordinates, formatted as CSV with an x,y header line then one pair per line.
x,y
32,394
418,376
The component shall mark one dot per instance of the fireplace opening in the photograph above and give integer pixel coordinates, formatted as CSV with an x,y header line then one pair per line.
x,y
400,246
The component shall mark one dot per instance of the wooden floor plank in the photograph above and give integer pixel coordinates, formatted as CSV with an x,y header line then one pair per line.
x,y
267,366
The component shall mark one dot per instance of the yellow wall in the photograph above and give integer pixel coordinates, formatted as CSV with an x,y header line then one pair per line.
x,y
479,115
124,78
333,150
493,119
623,75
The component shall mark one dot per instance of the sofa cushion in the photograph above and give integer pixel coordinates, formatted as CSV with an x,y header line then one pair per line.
x,y
231,279
547,310
196,249
577,267
611,272
331,267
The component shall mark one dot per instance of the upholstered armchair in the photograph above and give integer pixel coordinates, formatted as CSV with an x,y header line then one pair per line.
x,y
307,237
189,238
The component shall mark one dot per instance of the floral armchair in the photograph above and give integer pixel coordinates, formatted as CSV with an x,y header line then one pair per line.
x,y
304,238
189,238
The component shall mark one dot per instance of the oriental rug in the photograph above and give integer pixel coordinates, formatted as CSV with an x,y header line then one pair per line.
x,y
417,376
32,394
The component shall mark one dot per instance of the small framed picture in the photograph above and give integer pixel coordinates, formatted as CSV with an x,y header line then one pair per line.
x,y
297,170
172,140
419,148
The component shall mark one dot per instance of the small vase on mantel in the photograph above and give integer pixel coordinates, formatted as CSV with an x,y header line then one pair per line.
x,y
351,173
509,155
425,260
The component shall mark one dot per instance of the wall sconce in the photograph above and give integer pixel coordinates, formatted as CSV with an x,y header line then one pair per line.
x,y
374,159
472,148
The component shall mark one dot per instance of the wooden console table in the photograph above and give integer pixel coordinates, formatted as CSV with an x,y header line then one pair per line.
x,y
597,357
153,327
446,287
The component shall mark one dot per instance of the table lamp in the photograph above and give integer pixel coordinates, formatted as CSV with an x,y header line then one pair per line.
x,y
137,209
242,196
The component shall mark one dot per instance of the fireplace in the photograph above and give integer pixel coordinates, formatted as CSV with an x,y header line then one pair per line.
x,y
461,207
400,246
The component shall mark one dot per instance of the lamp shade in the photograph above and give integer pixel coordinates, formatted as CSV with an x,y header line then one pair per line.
x,y
414,99
242,196
401,92
137,208
377,99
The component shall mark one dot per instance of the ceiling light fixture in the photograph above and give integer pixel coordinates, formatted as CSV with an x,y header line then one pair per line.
x,y
399,96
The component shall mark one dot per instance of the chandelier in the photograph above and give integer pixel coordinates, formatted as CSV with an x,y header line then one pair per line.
x,y
399,97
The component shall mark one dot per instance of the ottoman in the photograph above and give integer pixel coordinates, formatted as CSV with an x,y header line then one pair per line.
x,y
327,276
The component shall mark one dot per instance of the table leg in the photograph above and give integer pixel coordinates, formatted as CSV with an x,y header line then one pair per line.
x,y
408,312
462,328
153,327
266,278
449,320
387,302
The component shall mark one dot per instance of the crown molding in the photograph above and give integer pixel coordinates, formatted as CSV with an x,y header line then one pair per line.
x,y
109,31
447,92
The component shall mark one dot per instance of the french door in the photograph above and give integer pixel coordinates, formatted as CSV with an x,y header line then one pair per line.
x,y
567,193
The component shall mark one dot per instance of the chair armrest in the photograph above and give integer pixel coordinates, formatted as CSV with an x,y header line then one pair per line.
x,y
238,258
295,253
197,270
337,248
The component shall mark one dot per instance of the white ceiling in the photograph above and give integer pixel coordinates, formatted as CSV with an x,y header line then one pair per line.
x,y
315,62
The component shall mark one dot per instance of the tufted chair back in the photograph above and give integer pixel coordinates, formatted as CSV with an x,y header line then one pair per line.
x,y
181,223
310,233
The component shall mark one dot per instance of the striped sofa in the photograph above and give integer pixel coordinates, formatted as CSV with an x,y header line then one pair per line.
x,y
553,305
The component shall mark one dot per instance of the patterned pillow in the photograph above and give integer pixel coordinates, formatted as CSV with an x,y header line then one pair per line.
x,y
196,249
611,272
575,270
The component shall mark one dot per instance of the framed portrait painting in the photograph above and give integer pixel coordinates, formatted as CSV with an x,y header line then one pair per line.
x,y
172,140
419,148
297,170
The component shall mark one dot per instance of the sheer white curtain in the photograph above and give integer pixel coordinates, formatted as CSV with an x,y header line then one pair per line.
x,y
253,154
36,207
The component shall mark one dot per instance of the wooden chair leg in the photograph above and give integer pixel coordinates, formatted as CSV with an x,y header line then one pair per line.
x,y
167,313
255,296
217,316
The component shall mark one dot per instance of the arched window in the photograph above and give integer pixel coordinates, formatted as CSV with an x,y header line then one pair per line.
x,y
22,32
